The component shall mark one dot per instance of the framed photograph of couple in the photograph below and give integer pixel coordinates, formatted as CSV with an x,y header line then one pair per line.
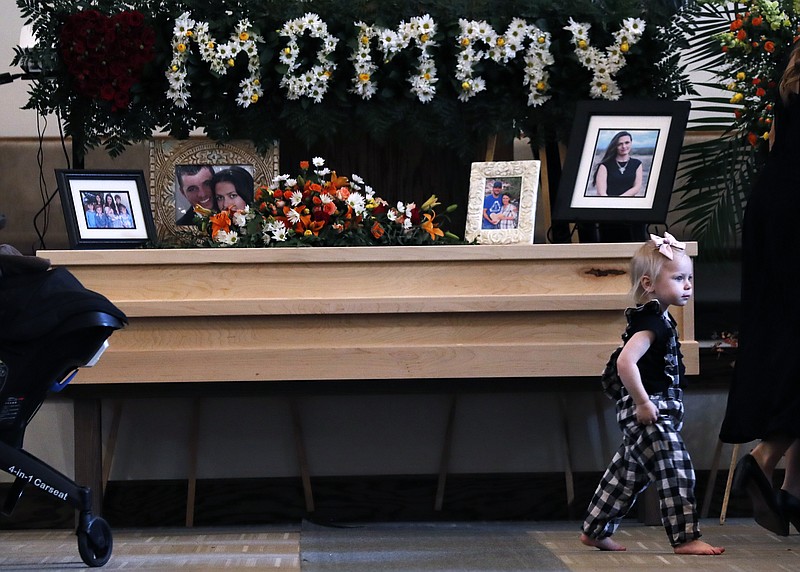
x,y
621,161
105,209
184,173
502,202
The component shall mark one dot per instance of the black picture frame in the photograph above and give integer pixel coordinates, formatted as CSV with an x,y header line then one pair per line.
x,y
128,223
658,126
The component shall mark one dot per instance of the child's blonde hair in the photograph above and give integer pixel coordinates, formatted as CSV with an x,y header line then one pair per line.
x,y
648,261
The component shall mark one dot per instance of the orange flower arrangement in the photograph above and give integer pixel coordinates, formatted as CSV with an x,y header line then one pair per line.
x,y
753,47
321,208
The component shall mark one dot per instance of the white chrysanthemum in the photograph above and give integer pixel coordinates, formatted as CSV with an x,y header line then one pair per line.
x,y
239,218
290,182
226,238
519,25
426,25
318,161
388,40
323,172
579,30
635,26
326,198
464,70
183,24
297,198
392,215
243,27
369,192
366,90
293,216
279,231
357,202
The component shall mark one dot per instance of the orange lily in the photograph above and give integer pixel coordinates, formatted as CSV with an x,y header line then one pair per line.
x,y
201,211
220,221
427,226
335,182
306,224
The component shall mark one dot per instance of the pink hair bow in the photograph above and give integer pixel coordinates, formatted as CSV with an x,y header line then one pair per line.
x,y
666,244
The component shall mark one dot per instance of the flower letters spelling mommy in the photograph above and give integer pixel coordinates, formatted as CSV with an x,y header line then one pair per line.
x,y
417,34
105,55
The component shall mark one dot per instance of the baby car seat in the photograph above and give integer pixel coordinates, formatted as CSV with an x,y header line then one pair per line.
x,y
50,325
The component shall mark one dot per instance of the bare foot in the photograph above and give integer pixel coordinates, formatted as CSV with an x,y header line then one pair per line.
x,y
603,544
698,547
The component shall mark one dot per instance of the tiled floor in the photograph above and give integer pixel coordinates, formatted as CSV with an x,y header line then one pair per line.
x,y
748,548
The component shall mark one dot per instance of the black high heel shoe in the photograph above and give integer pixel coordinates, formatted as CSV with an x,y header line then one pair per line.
x,y
749,479
790,507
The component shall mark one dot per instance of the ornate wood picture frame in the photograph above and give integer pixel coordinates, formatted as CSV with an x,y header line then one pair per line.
x,y
166,154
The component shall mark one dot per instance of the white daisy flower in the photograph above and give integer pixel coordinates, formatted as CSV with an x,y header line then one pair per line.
x,y
357,202
293,216
226,238
280,233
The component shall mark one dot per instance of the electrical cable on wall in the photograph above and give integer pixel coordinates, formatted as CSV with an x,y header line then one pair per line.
x,y
47,199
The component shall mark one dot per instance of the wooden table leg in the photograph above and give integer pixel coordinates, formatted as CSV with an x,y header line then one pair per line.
x,y
194,438
734,455
89,448
444,460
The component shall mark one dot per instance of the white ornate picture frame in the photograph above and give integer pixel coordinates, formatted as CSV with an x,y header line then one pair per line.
x,y
512,222
167,153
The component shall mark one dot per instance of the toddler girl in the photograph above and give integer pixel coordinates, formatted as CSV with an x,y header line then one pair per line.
x,y
648,370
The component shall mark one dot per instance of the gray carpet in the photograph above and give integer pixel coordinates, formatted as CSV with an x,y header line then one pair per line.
x,y
412,547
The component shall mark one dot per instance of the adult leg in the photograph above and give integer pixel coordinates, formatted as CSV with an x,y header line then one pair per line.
x,y
791,480
789,495
769,452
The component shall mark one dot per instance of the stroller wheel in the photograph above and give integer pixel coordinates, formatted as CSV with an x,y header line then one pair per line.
x,y
95,543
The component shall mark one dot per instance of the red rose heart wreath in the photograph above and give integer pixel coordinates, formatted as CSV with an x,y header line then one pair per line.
x,y
105,55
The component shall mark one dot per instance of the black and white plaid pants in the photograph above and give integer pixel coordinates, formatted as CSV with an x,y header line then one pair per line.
x,y
653,453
